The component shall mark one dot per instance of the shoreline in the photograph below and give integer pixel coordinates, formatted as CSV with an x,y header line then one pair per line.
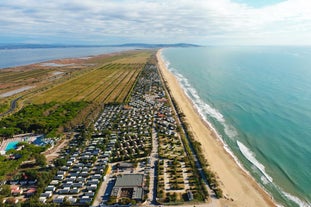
x,y
238,186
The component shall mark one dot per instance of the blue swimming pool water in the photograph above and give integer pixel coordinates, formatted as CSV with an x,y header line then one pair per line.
x,y
39,141
11,145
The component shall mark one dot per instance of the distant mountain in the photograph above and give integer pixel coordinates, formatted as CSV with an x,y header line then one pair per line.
x,y
137,45
158,45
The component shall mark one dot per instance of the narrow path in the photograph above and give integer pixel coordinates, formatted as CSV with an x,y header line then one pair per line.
x,y
53,153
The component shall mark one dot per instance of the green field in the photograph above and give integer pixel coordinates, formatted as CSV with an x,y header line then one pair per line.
x,y
9,77
110,82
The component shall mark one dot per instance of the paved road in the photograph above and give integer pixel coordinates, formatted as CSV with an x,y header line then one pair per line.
x,y
12,107
104,191
153,172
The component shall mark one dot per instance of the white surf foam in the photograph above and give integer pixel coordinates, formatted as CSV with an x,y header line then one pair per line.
x,y
230,131
204,109
249,155
201,106
266,179
296,200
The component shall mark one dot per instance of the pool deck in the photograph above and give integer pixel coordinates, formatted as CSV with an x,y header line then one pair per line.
x,y
17,138
5,142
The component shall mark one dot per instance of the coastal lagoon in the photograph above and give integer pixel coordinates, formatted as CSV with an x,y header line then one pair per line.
x,y
25,56
258,100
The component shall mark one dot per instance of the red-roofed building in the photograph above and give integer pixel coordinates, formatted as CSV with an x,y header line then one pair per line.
x,y
15,190
30,192
160,115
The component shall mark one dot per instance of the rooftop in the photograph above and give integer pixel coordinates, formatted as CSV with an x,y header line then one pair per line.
x,y
129,180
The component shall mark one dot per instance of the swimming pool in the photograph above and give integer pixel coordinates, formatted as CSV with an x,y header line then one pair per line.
x,y
39,141
11,145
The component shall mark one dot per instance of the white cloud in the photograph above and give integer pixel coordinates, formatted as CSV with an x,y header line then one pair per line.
x,y
200,21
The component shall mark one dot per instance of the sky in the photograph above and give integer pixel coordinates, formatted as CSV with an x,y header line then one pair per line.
x,y
204,22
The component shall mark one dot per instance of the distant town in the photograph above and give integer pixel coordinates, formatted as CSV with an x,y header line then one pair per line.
x,y
133,152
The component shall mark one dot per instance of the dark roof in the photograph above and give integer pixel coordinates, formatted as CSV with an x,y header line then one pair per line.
x,y
129,180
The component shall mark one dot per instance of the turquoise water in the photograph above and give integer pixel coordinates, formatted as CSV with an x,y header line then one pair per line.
x,y
259,101
11,145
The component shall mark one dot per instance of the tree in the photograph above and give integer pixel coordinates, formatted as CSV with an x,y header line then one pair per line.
x,y
112,200
125,201
60,162
31,174
40,160
106,132
8,132
218,192
5,190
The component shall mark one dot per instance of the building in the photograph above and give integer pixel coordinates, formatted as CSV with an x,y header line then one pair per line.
x,y
129,186
16,190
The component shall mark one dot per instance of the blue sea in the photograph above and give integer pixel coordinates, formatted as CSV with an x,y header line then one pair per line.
x,y
258,99
25,56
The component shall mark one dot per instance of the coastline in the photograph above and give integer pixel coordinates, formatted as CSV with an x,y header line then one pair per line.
x,y
238,187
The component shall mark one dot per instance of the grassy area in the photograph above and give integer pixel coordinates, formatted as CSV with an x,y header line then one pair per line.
x,y
106,84
3,107
110,82
9,77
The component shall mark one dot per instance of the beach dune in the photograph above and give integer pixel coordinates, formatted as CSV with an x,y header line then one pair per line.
x,y
239,188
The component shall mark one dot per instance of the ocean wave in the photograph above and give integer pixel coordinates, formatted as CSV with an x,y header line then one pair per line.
x,y
266,179
296,200
230,131
202,107
249,155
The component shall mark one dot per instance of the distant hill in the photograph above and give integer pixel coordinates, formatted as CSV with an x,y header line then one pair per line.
x,y
158,45
137,45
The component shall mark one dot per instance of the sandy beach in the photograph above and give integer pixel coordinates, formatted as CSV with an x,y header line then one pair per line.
x,y
239,188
